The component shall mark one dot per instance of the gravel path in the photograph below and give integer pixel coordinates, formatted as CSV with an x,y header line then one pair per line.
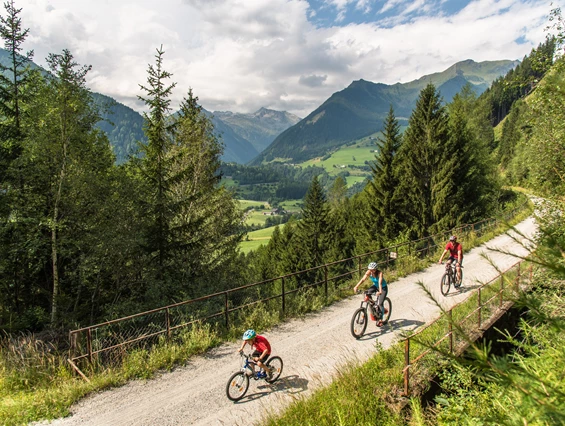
x,y
312,349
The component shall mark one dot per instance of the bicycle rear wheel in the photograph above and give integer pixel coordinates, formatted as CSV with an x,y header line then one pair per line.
x,y
359,323
275,364
445,283
388,309
237,386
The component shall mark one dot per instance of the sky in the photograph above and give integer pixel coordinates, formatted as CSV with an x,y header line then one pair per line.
x,y
287,55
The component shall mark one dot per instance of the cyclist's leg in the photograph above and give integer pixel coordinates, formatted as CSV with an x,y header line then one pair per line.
x,y
457,269
261,363
381,301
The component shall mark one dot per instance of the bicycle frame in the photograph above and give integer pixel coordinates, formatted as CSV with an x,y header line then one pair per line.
x,y
248,367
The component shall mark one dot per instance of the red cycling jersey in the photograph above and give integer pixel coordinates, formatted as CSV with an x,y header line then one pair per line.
x,y
261,344
454,249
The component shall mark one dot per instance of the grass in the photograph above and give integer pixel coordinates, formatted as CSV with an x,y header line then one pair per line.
x,y
347,156
256,239
37,384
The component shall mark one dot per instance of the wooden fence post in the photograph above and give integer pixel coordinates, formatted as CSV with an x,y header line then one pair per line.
x,y
450,316
227,310
168,324
326,281
89,344
479,312
283,297
407,367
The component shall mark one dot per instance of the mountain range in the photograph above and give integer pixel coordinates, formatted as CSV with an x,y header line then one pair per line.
x,y
244,135
360,109
268,135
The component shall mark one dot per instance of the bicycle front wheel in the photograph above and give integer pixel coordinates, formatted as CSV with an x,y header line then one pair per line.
x,y
275,364
237,386
388,309
359,323
445,283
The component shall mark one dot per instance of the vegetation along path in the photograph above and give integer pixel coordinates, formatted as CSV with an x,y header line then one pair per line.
x,y
313,348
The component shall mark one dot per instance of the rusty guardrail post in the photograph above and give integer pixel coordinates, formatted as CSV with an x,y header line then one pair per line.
x,y
480,308
501,291
407,367
359,273
168,324
283,297
227,310
89,344
450,317
326,281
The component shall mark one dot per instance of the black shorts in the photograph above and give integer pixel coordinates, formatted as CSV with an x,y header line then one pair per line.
x,y
256,354
454,259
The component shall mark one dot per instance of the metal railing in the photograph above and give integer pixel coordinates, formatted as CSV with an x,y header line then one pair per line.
x,y
450,334
108,340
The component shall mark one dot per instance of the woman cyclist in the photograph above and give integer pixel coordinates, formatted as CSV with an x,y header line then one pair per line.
x,y
262,348
379,287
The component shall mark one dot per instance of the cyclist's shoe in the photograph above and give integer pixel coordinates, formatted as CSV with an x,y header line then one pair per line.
x,y
380,323
261,375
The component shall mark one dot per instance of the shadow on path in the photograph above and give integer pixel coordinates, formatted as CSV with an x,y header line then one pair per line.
x,y
390,327
290,385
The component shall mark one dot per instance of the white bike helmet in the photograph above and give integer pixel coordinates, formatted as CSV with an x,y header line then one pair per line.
x,y
372,265
453,238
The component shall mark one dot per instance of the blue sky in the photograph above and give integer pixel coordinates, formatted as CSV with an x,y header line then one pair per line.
x,y
241,55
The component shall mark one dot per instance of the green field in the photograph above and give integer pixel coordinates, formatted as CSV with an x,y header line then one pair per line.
x,y
256,239
347,156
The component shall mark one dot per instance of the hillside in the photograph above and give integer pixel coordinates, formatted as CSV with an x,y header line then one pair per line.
x,y
360,109
244,135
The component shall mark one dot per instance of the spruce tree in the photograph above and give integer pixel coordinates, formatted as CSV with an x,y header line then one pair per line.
x,y
421,155
312,232
381,220
155,164
206,221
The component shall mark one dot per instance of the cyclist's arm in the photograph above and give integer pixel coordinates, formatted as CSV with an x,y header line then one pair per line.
x,y
361,280
460,253
443,254
380,282
242,346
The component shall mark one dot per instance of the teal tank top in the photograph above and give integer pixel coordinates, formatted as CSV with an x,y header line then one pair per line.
x,y
376,281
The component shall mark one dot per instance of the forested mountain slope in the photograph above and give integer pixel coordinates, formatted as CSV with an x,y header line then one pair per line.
x,y
360,109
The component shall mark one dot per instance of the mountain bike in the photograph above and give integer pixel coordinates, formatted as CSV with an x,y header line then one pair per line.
x,y
450,277
369,309
239,382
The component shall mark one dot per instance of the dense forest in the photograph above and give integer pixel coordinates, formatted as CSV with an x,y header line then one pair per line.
x,y
83,239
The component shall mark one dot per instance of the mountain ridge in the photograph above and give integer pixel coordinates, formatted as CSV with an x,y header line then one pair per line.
x,y
359,110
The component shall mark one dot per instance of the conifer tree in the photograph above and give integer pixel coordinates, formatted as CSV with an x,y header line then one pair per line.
x,y
421,156
205,223
381,220
312,232
155,164
13,81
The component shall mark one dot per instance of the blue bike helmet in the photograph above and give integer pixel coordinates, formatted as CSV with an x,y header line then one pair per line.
x,y
249,334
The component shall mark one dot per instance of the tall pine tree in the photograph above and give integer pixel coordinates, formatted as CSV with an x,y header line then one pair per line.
x,y
422,153
381,220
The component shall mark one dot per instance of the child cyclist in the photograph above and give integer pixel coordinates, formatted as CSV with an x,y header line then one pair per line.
x,y
379,287
262,348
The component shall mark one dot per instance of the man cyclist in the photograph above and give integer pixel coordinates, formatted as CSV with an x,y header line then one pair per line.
x,y
455,250
379,287
262,350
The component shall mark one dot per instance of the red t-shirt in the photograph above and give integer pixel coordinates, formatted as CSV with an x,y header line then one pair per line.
x,y
454,249
261,344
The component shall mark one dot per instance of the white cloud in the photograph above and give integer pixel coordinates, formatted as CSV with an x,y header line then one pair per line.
x,y
240,55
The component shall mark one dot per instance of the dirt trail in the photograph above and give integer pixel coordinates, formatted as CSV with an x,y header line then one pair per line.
x,y
312,348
